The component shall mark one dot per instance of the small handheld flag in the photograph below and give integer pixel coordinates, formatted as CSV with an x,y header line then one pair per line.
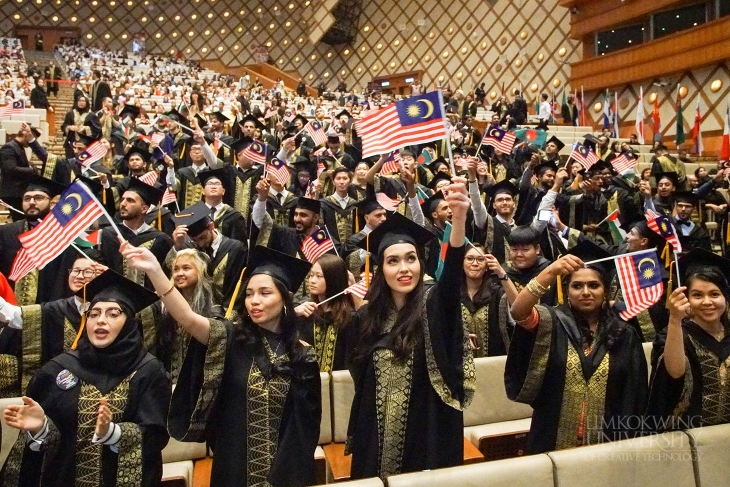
x,y
314,129
641,282
279,170
584,155
316,245
93,153
391,164
500,139
256,152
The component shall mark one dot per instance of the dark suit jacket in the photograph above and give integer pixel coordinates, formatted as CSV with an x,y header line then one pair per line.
x,y
99,91
15,170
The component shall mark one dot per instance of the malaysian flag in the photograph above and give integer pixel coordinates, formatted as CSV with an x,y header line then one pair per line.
x,y
584,155
316,245
149,178
270,113
76,209
22,265
359,289
15,108
387,202
279,170
391,164
623,164
662,225
168,197
641,282
500,139
288,116
93,153
315,131
411,121
256,152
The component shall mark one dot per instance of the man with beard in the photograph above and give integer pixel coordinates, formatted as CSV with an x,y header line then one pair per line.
x,y
136,202
47,284
531,195
181,141
226,257
217,131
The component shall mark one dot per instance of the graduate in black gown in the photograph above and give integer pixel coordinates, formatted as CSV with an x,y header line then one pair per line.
x,y
326,325
251,391
412,365
691,355
96,414
579,366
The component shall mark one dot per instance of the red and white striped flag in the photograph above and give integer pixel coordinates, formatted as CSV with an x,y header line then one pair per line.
x,y
149,178
387,202
623,164
14,108
22,265
75,211
411,121
663,226
256,152
93,153
359,289
157,137
391,164
315,131
500,139
168,197
641,282
316,245
279,170
584,155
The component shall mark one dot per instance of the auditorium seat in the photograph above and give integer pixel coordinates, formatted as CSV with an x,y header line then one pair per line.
x,y
648,346
325,429
9,435
177,460
532,471
493,423
343,392
664,460
372,482
712,455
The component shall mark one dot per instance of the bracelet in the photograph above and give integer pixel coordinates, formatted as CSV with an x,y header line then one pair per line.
x,y
172,286
536,289
531,321
471,181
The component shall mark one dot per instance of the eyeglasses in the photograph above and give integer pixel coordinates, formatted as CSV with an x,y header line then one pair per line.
x,y
38,198
87,273
470,259
111,313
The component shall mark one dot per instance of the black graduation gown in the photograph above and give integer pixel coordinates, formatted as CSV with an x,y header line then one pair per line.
x,y
333,346
139,404
340,222
240,187
426,430
188,191
157,242
527,204
489,322
38,286
520,278
548,370
181,143
698,238
225,269
700,398
230,222
494,238
282,212
219,386
168,225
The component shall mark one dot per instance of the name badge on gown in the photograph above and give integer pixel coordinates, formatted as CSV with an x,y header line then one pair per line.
x,y
66,380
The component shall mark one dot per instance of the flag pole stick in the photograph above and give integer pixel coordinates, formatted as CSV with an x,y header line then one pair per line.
x,y
81,252
103,210
676,259
329,235
11,208
333,297
609,216
613,257
448,136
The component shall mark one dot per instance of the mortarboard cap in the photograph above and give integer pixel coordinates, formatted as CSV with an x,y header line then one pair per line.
x,y
394,230
589,140
205,176
302,119
698,258
251,118
173,115
308,204
144,154
196,217
149,194
504,186
240,144
112,287
433,166
438,177
44,185
588,251
431,203
686,197
202,122
343,112
94,185
334,139
220,117
546,166
84,139
559,143
368,205
283,267
131,111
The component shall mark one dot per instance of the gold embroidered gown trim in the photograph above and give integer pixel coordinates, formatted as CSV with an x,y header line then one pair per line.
x,y
31,339
715,386
136,275
325,341
538,359
478,324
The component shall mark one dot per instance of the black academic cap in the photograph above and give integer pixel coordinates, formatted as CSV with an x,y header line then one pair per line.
x,y
301,118
437,178
251,118
599,166
504,186
394,230
457,150
112,287
368,205
220,117
283,267
202,122
698,258
686,197
343,112
138,150
589,140
44,185
431,203
335,139
642,227
130,110
309,204
559,143
672,176
196,217
149,194
84,139
588,251
434,165
93,184
240,145
205,176
173,115
545,166
303,163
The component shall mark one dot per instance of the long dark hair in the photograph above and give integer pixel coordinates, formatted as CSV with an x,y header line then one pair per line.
x,y
248,332
610,326
342,307
486,289
714,276
408,328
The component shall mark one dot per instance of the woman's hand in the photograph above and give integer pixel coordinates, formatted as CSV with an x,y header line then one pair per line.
x,y
565,265
678,305
305,310
457,198
103,418
28,417
139,258
494,266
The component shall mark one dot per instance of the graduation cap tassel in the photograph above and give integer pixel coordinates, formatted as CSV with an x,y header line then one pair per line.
x,y
103,196
159,219
357,222
559,285
727,232
665,255
83,320
229,311
671,279
367,261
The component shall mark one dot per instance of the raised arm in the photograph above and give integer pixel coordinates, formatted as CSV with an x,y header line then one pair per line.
x,y
370,176
674,357
142,259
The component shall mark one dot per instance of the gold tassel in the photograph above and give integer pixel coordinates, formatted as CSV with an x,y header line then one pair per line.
x,y
357,222
367,261
159,219
103,196
665,255
727,231
229,311
559,284
83,320
671,278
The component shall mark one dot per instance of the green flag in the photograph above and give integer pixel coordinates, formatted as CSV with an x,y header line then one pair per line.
x,y
680,122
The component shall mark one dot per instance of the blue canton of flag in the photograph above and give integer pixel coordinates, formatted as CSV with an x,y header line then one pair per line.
x,y
419,109
317,244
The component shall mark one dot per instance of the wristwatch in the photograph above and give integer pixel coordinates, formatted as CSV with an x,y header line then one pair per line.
x,y
505,278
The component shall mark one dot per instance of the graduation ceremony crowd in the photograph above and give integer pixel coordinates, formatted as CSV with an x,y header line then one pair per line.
x,y
212,289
